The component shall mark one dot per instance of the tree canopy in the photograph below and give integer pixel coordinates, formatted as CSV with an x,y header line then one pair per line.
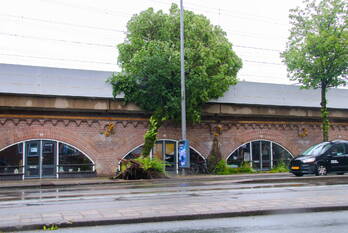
x,y
317,51
150,62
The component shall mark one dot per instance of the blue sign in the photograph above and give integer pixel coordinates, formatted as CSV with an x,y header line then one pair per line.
x,y
184,154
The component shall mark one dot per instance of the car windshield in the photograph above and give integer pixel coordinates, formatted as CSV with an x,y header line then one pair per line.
x,y
317,149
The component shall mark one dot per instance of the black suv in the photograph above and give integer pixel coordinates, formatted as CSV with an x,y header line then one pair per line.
x,y
322,158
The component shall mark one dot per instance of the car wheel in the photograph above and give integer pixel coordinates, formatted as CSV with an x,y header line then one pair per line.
x,y
298,174
321,170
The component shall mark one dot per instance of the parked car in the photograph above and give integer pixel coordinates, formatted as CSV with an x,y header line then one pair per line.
x,y
322,158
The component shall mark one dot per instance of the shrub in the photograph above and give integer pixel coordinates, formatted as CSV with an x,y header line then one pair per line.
x,y
151,164
281,167
246,168
223,169
141,168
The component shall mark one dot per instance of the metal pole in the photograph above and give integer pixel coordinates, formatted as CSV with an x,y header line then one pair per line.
x,y
183,98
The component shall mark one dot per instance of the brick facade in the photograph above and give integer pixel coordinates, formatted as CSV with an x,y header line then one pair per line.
x,y
106,150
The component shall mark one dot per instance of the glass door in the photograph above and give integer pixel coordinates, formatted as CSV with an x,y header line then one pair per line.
x,y
40,159
266,155
49,158
170,156
33,159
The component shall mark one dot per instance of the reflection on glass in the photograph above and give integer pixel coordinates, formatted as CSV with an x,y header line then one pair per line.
x,y
48,158
242,154
264,155
72,160
256,154
11,159
280,155
158,151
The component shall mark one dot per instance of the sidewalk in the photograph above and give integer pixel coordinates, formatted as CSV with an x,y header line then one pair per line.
x,y
240,178
192,207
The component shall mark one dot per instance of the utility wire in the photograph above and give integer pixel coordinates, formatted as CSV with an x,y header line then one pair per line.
x,y
56,59
266,63
57,40
62,23
109,45
217,11
108,63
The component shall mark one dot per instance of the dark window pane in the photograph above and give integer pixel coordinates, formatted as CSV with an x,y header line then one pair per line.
x,y
73,160
242,154
266,155
256,154
11,159
280,155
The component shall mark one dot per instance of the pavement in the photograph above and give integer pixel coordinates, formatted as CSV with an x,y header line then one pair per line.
x,y
172,210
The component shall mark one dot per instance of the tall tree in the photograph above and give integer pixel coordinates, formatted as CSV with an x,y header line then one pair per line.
x,y
150,62
317,50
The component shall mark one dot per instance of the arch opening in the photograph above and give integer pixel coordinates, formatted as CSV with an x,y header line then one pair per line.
x,y
43,159
167,151
262,155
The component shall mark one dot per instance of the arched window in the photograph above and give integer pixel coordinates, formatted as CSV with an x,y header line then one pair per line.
x,y
167,150
44,158
261,154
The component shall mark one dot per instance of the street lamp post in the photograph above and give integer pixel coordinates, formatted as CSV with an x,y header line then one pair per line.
x,y
183,98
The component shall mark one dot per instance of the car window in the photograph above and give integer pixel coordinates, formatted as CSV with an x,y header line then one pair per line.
x,y
318,149
338,149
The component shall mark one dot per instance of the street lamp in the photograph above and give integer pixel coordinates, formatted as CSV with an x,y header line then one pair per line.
x,y
183,98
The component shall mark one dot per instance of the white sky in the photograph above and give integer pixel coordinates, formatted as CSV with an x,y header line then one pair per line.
x,y
83,34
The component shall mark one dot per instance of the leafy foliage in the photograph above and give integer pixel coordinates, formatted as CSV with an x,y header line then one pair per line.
x,y
223,169
317,50
151,164
141,168
281,167
150,62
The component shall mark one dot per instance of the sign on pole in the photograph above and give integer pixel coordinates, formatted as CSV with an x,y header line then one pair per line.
x,y
184,154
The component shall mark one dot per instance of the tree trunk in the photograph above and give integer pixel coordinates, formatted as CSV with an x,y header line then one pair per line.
x,y
324,112
150,136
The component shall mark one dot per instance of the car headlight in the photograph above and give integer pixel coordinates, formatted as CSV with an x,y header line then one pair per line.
x,y
309,160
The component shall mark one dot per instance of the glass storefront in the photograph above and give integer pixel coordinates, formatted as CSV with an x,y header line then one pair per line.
x,y
167,151
261,154
43,159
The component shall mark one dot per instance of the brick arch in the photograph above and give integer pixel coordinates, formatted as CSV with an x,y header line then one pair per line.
x,y
248,135
162,139
65,135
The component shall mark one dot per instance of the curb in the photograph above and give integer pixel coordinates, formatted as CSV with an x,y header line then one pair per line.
x,y
242,179
175,218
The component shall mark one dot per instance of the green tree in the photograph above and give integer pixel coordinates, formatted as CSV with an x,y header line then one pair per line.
x,y
150,62
317,50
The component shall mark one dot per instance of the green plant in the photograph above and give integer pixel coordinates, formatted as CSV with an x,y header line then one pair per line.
x,y
149,59
246,168
52,227
154,164
281,167
222,168
316,52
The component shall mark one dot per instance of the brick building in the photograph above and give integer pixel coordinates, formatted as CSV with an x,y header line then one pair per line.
x,y
62,123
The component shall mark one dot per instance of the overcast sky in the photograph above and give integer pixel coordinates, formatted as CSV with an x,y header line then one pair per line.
x,y
83,34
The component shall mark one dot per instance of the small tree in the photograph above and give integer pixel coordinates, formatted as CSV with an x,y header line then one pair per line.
x,y
150,62
317,50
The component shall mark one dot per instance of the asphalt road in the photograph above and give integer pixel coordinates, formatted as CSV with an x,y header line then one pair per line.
x,y
323,222
139,200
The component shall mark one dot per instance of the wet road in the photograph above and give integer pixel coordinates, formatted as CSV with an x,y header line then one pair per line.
x,y
323,222
134,190
144,190
163,198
